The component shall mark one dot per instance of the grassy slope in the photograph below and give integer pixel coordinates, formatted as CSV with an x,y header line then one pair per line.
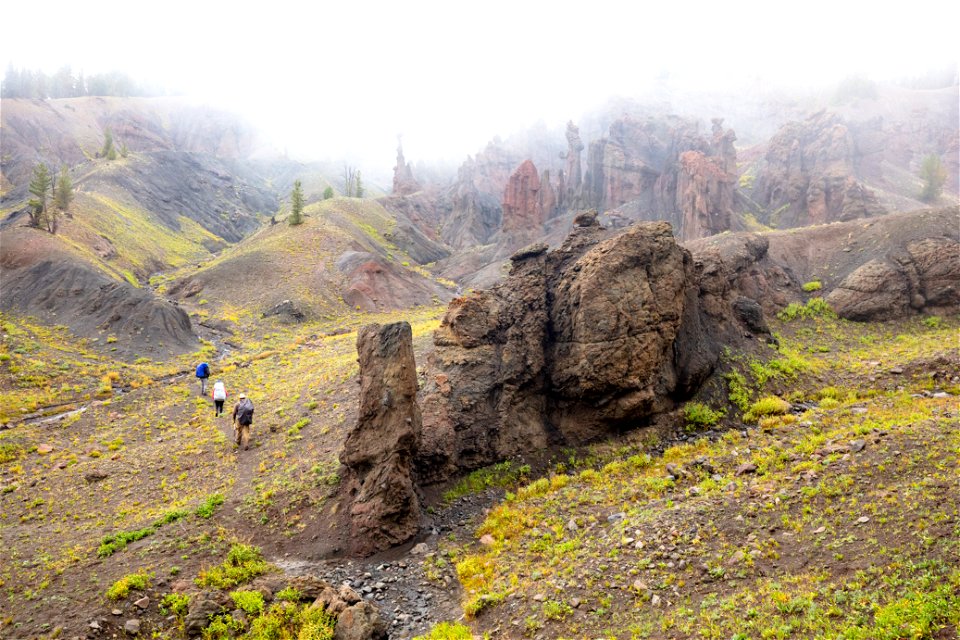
x,y
298,263
817,542
161,449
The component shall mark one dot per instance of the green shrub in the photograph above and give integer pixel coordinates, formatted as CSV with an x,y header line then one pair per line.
x,y
697,415
112,543
502,474
171,516
300,424
829,403
766,406
209,506
738,391
285,620
250,602
554,610
122,587
244,562
222,628
175,603
448,631
10,452
288,594
933,322
814,307
813,285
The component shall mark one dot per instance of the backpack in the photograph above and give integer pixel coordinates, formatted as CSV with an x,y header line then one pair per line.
x,y
203,370
245,412
219,391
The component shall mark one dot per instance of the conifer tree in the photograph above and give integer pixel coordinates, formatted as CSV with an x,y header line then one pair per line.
x,y
328,193
39,186
934,176
109,151
296,203
359,189
63,195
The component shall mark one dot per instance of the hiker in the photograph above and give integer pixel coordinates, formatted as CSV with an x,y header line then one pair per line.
x,y
203,372
219,397
242,419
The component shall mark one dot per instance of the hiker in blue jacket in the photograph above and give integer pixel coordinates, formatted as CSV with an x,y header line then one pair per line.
x,y
203,372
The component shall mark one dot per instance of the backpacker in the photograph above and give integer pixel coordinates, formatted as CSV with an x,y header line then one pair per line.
x,y
245,412
203,370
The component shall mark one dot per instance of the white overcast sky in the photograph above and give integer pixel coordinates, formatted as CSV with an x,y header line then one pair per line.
x,y
332,78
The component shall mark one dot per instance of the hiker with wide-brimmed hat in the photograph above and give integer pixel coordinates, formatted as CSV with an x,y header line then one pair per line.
x,y
242,419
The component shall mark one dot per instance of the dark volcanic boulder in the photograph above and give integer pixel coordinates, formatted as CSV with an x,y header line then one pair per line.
x,y
378,452
875,291
926,276
598,335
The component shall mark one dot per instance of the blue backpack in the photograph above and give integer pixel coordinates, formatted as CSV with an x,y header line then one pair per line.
x,y
203,370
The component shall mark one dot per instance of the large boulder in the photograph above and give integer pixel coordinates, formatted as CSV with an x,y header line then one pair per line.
x,y
378,452
601,334
361,621
925,276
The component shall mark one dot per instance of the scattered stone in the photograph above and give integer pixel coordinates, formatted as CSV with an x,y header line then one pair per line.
x,y
420,549
675,470
142,603
639,585
95,625
331,601
941,394
819,529
863,520
616,517
586,219
44,448
737,558
531,251
746,467
487,540
655,600
360,622
572,525
575,603
539,597
896,370
348,595
199,614
117,612
856,446
95,476
132,626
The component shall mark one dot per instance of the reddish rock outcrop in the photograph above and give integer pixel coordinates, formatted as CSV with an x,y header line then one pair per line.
x,y
704,195
522,205
378,453
662,168
811,175
404,183
548,196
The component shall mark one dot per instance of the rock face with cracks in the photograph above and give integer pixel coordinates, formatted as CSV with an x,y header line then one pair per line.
x,y
599,335
378,452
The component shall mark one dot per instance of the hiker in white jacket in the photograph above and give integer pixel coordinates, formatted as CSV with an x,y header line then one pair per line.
x,y
219,397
